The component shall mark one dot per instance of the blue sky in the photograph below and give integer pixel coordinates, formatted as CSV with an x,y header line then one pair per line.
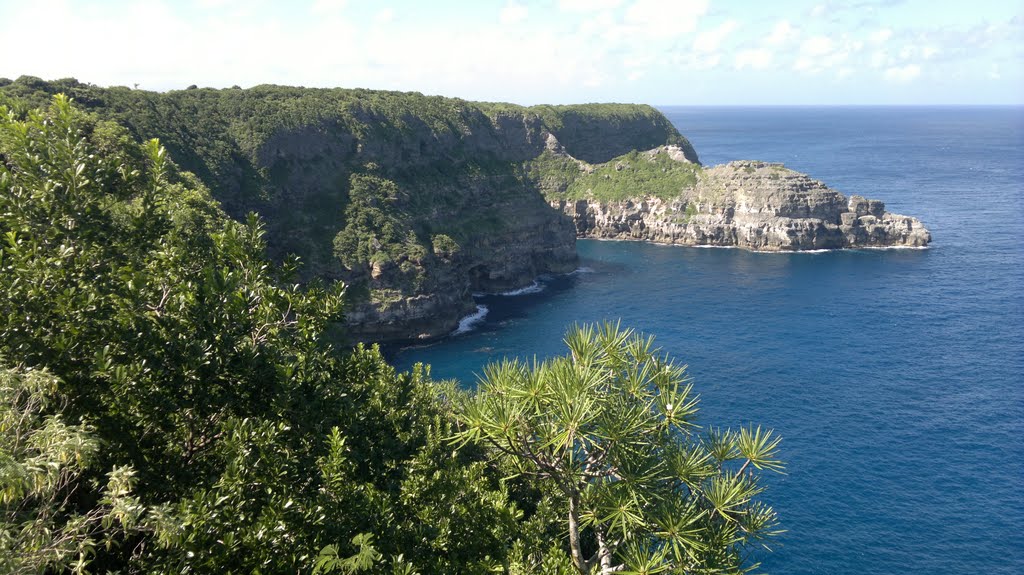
x,y
555,51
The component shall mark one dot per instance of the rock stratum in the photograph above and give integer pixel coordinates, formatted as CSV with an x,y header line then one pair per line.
x,y
417,202
752,205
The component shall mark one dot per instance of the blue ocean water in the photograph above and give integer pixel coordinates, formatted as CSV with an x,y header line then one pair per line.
x,y
896,377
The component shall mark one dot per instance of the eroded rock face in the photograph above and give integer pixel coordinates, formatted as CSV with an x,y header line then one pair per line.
x,y
751,205
519,237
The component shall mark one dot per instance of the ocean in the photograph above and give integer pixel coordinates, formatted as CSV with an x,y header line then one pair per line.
x,y
895,377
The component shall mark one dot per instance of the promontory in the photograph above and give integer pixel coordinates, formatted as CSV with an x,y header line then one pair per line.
x,y
417,202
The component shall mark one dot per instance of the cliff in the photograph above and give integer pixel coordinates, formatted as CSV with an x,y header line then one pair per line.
x,y
746,204
416,202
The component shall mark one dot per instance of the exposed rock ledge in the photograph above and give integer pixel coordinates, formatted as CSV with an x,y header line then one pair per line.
x,y
752,205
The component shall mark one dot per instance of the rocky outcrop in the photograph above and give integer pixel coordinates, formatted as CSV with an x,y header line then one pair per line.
x,y
751,205
416,201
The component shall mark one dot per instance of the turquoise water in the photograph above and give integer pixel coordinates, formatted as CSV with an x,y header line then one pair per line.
x,y
895,376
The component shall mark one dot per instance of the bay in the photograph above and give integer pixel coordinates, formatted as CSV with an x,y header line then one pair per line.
x,y
894,376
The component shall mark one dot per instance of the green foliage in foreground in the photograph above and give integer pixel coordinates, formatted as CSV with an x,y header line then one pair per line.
x,y
187,362
42,458
169,404
610,427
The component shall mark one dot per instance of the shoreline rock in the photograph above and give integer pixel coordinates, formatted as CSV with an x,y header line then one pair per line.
x,y
750,205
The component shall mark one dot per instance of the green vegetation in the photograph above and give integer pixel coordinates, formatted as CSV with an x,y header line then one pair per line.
x,y
610,429
374,227
289,153
444,246
553,173
170,401
582,127
691,210
636,174
41,459
189,368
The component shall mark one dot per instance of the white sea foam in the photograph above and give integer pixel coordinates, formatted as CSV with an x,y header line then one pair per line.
x,y
581,270
471,321
535,287
894,248
708,246
822,251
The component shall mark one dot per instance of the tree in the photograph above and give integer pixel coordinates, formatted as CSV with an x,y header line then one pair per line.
x,y
199,372
42,459
610,428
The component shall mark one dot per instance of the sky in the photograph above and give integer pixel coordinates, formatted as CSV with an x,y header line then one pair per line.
x,y
661,52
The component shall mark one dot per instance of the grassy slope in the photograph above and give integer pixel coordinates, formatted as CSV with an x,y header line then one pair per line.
x,y
627,176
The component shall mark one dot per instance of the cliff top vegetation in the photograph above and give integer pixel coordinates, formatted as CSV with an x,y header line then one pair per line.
x,y
171,404
291,153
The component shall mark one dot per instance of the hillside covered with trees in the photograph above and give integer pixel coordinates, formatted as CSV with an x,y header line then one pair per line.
x,y
173,401
414,201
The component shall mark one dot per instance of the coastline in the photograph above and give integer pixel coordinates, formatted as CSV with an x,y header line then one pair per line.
x,y
718,247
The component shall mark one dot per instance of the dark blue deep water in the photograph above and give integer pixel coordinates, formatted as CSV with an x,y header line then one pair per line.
x,y
894,376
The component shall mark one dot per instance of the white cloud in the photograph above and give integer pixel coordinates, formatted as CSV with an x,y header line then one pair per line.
x,y
385,16
697,61
903,74
665,18
759,59
711,40
816,46
880,36
638,61
566,50
782,33
327,7
820,53
214,4
587,5
513,13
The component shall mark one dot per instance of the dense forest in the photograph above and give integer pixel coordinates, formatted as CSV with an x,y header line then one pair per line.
x,y
172,398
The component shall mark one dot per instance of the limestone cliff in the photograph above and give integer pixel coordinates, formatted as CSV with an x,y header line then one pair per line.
x,y
416,202
751,205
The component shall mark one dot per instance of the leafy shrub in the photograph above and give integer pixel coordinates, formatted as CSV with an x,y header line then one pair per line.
x,y
203,368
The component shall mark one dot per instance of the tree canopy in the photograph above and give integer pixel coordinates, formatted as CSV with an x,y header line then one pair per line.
x,y
189,362
611,427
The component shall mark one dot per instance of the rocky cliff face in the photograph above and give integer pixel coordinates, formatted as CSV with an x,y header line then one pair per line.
x,y
506,243
416,202
457,171
751,205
